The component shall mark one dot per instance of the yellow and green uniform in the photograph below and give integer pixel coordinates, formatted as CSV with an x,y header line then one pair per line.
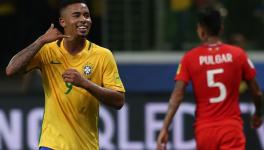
x,y
71,113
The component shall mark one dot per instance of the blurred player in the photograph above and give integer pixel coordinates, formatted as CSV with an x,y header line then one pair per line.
x,y
215,70
77,76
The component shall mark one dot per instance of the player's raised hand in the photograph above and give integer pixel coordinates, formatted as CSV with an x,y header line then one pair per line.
x,y
52,34
162,140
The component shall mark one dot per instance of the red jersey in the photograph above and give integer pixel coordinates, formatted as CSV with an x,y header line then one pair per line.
x,y
215,72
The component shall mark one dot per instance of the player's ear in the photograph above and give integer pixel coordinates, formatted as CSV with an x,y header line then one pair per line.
x,y
62,22
203,32
222,29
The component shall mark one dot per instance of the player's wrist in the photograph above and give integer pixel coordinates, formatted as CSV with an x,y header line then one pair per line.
x,y
165,128
42,40
85,83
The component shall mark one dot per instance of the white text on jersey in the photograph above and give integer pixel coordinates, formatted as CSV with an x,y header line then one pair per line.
x,y
215,59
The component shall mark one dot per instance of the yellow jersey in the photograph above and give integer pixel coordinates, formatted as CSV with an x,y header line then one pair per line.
x,y
71,113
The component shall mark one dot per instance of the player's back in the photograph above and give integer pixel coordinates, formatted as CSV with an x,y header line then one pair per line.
x,y
216,71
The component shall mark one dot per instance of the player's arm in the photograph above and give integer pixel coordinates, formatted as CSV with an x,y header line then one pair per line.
x,y
108,97
18,63
174,103
257,99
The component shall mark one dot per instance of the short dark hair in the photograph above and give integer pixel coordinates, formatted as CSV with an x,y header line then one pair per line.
x,y
65,3
211,19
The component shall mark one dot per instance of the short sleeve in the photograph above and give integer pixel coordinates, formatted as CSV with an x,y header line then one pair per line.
x,y
182,71
248,69
111,78
36,60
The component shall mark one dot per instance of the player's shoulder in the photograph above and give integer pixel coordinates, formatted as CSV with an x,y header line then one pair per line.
x,y
97,49
52,45
236,51
49,47
195,49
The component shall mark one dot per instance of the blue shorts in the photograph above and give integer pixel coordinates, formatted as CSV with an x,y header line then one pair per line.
x,y
44,148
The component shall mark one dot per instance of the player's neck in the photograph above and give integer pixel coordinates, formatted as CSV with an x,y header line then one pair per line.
x,y
74,45
211,40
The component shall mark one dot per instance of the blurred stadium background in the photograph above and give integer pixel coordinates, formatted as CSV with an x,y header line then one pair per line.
x,y
148,38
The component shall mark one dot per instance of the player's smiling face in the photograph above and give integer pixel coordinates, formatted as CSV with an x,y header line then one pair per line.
x,y
76,20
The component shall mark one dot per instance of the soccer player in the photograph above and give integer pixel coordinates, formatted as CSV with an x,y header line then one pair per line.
x,y
77,76
215,70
